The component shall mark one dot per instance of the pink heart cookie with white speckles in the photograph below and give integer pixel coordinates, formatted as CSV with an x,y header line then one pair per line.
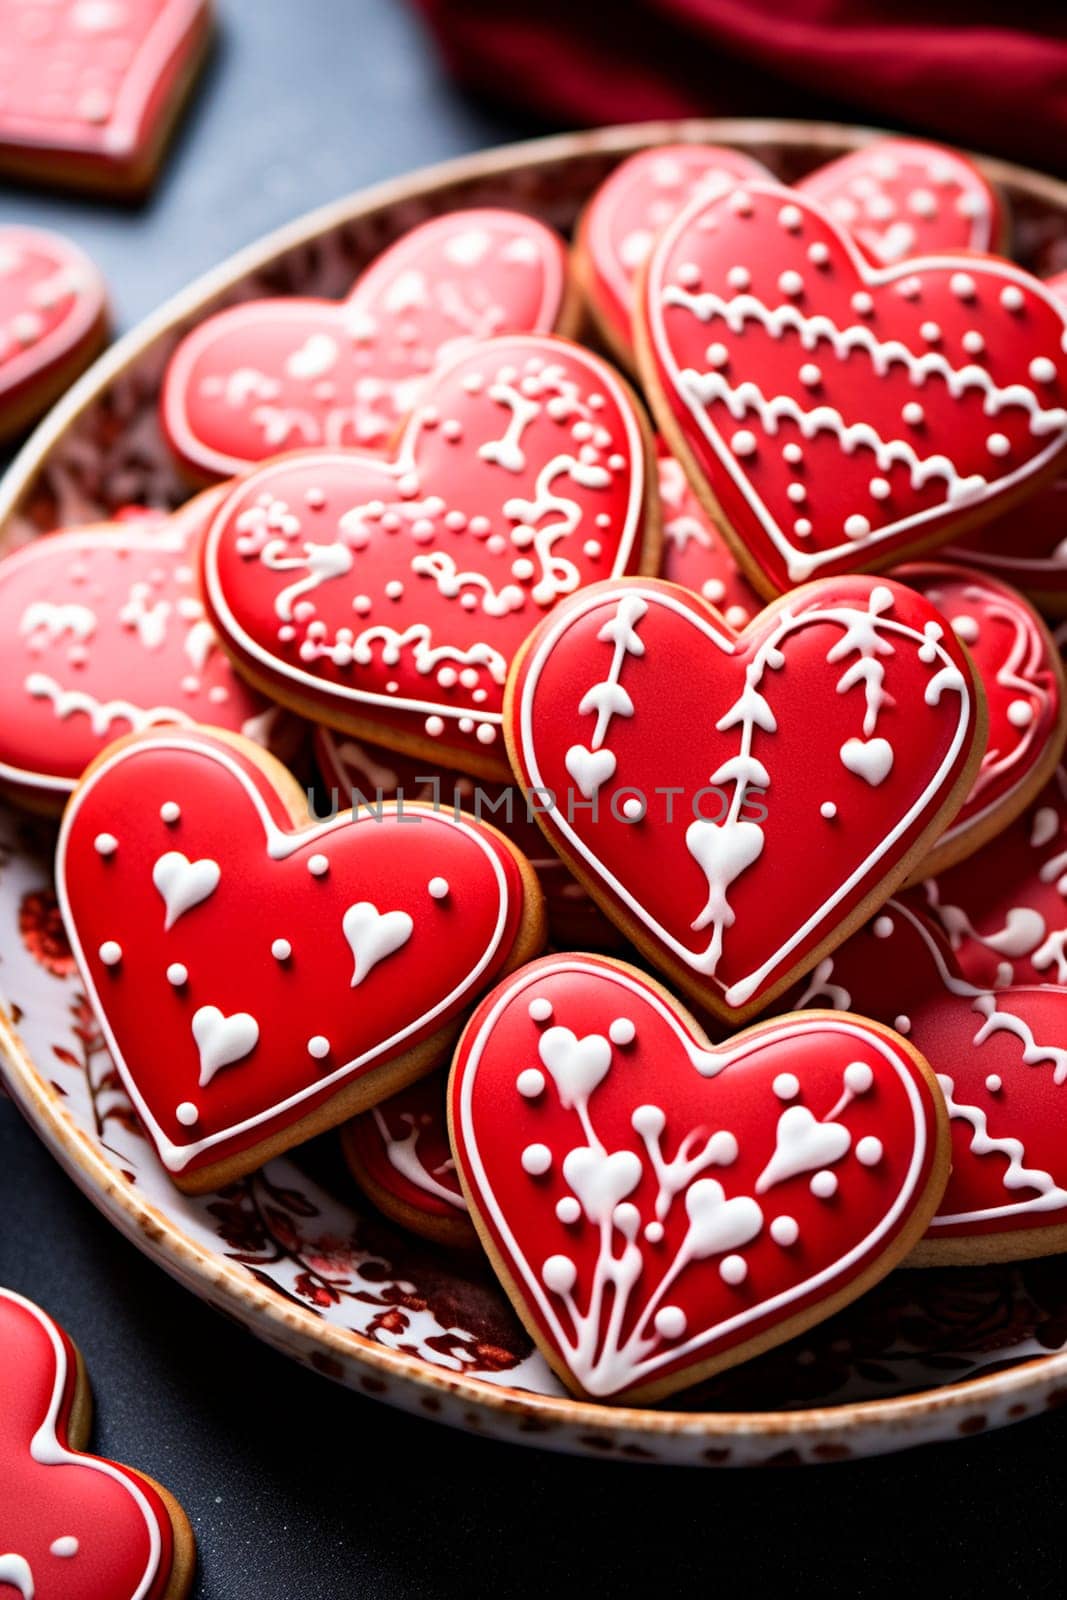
x,y
836,416
659,1208
292,374
257,979
387,598
53,320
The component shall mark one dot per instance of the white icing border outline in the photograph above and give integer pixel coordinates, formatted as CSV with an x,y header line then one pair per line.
x,y
680,605
177,378
874,277
773,1029
61,1455
280,844
277,666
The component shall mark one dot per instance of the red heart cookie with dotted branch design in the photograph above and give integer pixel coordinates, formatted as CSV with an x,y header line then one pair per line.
x,y
695,554
835,416
399,1155
101,122
1022,679
659,1208
388,598
290,374
103,633
53,320
73,1526
900,197
1005,911
1001,1063
737,802
630,209
256,979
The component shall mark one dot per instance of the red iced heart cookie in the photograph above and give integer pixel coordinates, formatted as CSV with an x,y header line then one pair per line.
x,y
102,121
102,632
736,803
833,415
1001,1060
900,197
388,597
275,375
1019,665
73,1526
399,1155
695,554
658,1208
1005,913
630,209
53,320
258,980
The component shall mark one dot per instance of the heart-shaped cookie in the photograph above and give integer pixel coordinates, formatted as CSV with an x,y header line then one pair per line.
x,y
836,416
1005,913
761,793
389,597
73,1526
1000,1057
90,90
695,554
273,375
901,197
258,980
1022,679
629,210
53,320
102,632
659,1208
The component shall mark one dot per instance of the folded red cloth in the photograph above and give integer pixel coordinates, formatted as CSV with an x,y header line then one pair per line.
x,y
979,74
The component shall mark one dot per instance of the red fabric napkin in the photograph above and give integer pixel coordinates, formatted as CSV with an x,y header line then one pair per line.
x,y
991,76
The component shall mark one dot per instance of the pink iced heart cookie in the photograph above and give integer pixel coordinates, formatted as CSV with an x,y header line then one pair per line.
x,y
833,415
695,554
258,980
90,90
630,209
900,197
387,598
737,802
1005,914
274,375
103,633
73,1526
399,1154
1000,1057
1022,678
53,320
659,1208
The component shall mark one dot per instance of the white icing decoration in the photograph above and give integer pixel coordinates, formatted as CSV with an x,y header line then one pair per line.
x,y
438,888
802,1145
110,953
15,1570
102,714
403,1156
105,844
187,1114
594,766
222,1040
183,884
869,759
64,1547
373,935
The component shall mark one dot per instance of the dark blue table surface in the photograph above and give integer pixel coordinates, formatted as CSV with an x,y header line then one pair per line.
x,y
299,1489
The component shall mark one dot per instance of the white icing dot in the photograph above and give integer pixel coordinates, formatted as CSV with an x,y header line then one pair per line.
x,y
818,253
281,949
739,277
622,1031
828,810
654,1232
883,927
910,288
530,1083
486,733
1042,370
880,488
1012,298
965,628
568,1210
66,1545
793,454
540,1009
857,527
931,332
743,442
435,726
902,1023
869,1152
797,493
802,527
824,1185
859,1077
998,444
791,218
170,811
633,809
862,303
733,1270
913,413
963,285
973,342
1020,713
177,974
105,844
318,866
670,1322
810,374
791,284
689,274
110,953
784,1231
536,1160
318,1046
717,355
437,888
993,1083
740,203
559,1274
786,1086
